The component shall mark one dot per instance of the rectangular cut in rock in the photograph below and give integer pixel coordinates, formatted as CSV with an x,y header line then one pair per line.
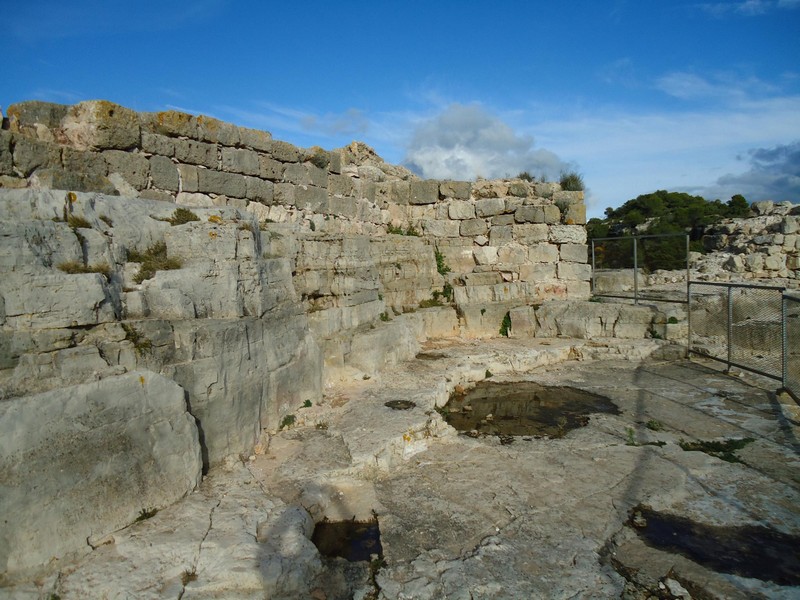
x,y
125,439
245,162
424,192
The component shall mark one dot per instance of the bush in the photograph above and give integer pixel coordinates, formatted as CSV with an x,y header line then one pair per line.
x,y
571,181
77,222
441,266
505,326
153,259
181,216
74,267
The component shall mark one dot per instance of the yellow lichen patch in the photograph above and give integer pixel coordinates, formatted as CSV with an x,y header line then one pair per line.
x,y
215,219
72,197
212,235
407,437
141,380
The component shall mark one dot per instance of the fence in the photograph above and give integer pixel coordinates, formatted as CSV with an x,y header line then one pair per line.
x,y
748,327
620,266
791,345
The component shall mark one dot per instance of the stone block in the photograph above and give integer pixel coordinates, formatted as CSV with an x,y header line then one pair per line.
x,y
501,235
488,207
518,188
245,162
285,193
305,174
270,168
215,131
567,271
523,322
23,117
400,192
259,190
219,182
312,198
529,214
284,152
459,190
552,214
567,234
513,254
6,157
88,163
774,262
790,225
340,185
503,220
460,210
170,123
158,195
574,252
126,439
196,153
485,255
545,190
30,155
473,227
575,214
164,174
134,168
568,197
536,272
154,143
61,179
441,228
543,253
255,139
530,234
189,179
424,192
101,125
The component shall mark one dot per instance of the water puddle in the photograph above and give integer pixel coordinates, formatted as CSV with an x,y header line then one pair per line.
x,y
351,540
523,409
748,551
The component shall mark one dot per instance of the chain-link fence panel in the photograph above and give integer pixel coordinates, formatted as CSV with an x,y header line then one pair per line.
x,y
708,319
791,374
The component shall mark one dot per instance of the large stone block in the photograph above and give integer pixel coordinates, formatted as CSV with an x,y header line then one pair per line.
x,y
170,123
311,197
259,190
460,210
488,207
240,161
81,462
255,139
424,192
284,152
543,253
571,271
270,168
24,117
154,143
574,252
305,174
538,272
189,179
196,153
30,155
101,125
501,235
134,168
218,182
441,228
458,190
61,179
340,185
530,234
567,234
472,227
6,157
215,131
84,162
164,174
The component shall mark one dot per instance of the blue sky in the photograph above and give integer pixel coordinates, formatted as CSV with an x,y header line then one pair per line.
x,y
635,95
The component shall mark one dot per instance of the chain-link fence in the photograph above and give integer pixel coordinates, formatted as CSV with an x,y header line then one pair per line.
x,y
641,267
740,325
791,349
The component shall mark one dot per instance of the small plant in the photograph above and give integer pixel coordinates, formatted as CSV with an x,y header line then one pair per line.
x,y
77,222
153,259
488,374
505,325
561,426
441,266
447,292
216,219
307,404
431,302
571,181
385,317
188,576
74,267
525,176
722,449
322,425
410,230
672,320
140,343
312,226
483,311
181,216
631,437
654,334
654,425
107,220
146,513
287,421
595,299
246,227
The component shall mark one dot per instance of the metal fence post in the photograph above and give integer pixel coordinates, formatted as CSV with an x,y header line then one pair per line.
x,y
593,268
635,272
730,325
784,344
688,317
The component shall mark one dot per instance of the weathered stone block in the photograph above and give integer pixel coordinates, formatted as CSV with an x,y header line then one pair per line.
x,y
270,168
529,214
101,125
512,254
344,207
441,228
458,190
518,188
459,209
575,214
189,178
311,197
545,190
164,174
530,234
578,271
170,123
196,153
340,185
23,117
574,252
285,193
503,220
259,190
552,214
215,131
774,262
305,174
400,192
537,272
30,155
218,182
154,143
85,162
472,227
240,161
284,152
61,179
424,192
6,158
134,168
790,225
523,322
488,207
255,139
485,255
567,234
543,253
568,197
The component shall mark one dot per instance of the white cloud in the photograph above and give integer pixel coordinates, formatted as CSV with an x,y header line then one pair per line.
x,y
467,141
748,8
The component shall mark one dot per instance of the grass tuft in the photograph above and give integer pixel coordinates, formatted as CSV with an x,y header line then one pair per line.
x,y
181,216
153,259
75,267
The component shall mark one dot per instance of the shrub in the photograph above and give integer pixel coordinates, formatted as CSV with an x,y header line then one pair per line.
x,y
505,325
74,267
441,266
181,216
153,259
571,181
77,222
287,421
140,343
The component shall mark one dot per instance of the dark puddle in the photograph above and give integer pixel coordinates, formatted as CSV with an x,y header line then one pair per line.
x,y
351,540
399,404
523,409
748,551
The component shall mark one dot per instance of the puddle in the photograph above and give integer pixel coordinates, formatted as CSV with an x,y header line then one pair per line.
x,y
523,409
399,404
748,551
351,540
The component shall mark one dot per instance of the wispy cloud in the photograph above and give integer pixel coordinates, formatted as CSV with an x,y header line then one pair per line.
x,y
727,86
466,141
748,8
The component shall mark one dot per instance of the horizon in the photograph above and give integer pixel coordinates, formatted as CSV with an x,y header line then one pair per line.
x,y
702,98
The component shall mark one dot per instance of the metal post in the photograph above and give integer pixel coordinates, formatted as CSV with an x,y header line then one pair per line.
x,y
784,344
635,272
687,266
593,268
730,325
688,317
